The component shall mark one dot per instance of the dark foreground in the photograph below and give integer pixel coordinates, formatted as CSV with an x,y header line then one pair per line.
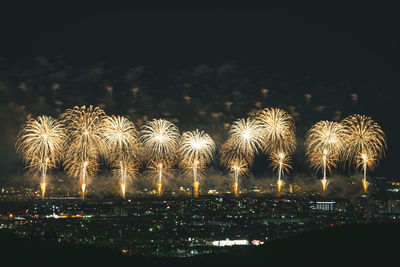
x,y
350,245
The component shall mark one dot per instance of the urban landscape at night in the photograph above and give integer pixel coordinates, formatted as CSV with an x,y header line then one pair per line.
x,y
193,139
178,225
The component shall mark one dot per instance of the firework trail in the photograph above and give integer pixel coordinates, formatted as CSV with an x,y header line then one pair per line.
x,y
281,162
237,154
160,170
40,144
235,162
239,168
324,144
196,152
123,148
85,144
160,139
279,135
126,169
365,144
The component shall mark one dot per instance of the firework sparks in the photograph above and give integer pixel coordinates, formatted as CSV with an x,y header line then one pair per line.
x,y
279,137
126,169
235,162
278,130
160,169
245,137
85,142
160,138
239,168
122,143
324,143
196,151
282,162
40,144
365,144
237,154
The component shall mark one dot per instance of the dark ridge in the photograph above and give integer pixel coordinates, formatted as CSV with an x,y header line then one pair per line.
x,y
354,245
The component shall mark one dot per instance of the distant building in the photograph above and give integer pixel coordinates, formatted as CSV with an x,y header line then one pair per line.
x,y
227,242
120,211
325,205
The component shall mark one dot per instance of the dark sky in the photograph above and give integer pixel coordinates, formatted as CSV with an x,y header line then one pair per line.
x,y
327,40
331,44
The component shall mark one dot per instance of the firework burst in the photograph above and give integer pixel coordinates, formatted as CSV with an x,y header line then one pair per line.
x,y
123,148
160,139
278,130
245,136
281,162
235,162
40,144
365,143
324,144
85,144
196,151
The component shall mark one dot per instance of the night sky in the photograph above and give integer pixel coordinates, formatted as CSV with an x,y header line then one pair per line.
x,y
334,46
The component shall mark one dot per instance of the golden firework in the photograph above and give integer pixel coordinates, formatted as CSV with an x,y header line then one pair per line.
x,y
122,144
324,143
120,136
365,143
245,136
160,168
196,145
160,139
278,130
126,169
234,161
279,137
196,151
282,162
239,168
228,155
85,144
40,144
